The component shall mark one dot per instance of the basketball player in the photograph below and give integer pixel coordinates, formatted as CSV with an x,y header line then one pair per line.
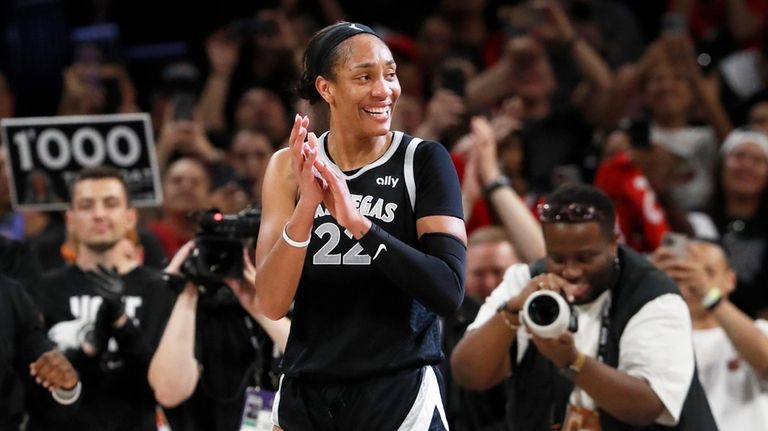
x,y
361,227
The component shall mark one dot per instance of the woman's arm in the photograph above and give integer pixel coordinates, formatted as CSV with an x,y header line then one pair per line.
x,y
278,263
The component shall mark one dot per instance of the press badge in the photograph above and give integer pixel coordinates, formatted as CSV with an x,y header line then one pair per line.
x,y
257,411
581,419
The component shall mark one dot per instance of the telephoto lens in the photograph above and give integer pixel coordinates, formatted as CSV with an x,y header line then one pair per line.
x,y
547,314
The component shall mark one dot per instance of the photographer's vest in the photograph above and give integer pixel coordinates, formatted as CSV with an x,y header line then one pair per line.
x,y
537,394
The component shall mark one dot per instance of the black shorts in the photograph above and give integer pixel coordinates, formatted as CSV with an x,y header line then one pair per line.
x,y
406,400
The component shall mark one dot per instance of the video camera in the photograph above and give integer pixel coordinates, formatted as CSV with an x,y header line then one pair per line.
x,y
218,252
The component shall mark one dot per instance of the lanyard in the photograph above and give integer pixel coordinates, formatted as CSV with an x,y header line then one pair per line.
x,y
605,320
258,363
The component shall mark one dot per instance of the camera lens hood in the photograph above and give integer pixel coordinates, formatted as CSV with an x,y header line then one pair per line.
x,y
546,314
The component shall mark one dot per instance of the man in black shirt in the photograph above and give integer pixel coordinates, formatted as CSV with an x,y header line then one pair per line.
x,y
107,321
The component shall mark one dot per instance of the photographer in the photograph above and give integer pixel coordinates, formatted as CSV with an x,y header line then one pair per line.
x,y
212,348
628,366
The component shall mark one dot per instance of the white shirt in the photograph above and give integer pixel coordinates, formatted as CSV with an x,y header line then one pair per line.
x,y
656,344
737,396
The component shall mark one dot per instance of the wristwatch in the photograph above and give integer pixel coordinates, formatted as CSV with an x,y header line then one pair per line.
x,y
499,182
572,370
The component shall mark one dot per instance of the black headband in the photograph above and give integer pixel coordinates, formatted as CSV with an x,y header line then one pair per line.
x,y
332,38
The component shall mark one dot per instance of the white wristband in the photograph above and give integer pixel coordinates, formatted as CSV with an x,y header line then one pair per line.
x,y
292,243
67,396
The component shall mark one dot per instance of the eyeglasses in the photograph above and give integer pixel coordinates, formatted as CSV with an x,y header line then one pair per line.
x,y
571,213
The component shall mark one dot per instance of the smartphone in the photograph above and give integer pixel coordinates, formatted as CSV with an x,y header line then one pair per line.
x,y
183,106
639,132
676,242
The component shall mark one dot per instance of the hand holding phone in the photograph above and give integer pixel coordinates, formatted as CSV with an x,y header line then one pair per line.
x,y
676,242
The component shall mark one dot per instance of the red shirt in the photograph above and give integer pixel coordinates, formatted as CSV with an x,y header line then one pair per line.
x,y
706,16
170,242
641,219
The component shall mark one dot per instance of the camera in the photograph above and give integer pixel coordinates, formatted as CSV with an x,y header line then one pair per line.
x,y
218,252
547,314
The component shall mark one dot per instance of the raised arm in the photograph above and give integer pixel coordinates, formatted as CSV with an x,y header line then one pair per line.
x,y
517,220
749,341
693,277
174,371
591,66
278,263
223,56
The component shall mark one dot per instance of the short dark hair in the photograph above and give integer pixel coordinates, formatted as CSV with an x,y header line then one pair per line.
x,y
99,173
583,194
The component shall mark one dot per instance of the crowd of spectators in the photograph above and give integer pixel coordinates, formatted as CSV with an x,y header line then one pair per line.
x,y
662,106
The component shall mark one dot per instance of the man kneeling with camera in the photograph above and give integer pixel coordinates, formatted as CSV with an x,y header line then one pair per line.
x,y
624,362
214,367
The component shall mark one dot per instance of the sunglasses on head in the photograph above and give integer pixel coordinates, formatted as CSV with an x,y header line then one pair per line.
x,y
571,213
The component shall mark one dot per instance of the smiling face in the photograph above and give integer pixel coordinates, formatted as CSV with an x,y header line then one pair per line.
x,y
186,186
745,171
364,89
583,255
667,92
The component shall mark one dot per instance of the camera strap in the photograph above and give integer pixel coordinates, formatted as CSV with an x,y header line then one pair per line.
x,y
605,321
258,362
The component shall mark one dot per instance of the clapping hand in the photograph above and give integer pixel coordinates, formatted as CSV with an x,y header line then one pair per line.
x,y
108,284
53,371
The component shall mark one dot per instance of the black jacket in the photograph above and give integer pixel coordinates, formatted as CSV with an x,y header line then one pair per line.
x,y
116,393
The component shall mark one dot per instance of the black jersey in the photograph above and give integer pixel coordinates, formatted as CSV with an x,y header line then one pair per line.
x,y
116,393
349,319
